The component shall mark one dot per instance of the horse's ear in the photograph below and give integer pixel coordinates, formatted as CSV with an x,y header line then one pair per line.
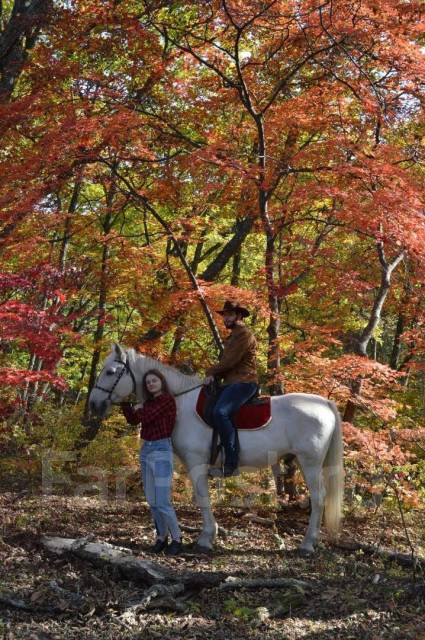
x,y
119,352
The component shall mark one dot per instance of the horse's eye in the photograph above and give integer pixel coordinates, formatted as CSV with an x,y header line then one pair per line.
x,y
110,372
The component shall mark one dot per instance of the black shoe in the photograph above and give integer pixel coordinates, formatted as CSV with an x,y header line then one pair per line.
x,y
159,546
174,549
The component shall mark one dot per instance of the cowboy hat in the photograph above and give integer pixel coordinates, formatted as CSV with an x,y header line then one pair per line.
x,y
234,307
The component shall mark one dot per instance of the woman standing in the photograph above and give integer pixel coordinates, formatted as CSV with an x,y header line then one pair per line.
x,y
157,417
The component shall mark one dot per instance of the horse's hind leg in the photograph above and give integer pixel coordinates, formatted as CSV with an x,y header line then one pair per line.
x,y
199,478
284,476
313,476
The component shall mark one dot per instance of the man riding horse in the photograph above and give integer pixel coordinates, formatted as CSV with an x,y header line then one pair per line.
x,y
237,368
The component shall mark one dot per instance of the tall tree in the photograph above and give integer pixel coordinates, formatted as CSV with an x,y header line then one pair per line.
x,y
19,28
276,63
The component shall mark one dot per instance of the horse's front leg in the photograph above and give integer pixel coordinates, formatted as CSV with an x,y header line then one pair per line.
x,y
199,476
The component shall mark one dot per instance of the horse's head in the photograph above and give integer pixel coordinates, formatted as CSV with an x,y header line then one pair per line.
x,y
115,382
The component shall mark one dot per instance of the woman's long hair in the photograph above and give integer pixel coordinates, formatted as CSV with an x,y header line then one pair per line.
x,y
164,384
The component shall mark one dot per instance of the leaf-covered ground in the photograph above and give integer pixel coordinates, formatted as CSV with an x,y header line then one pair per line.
x,y
349,594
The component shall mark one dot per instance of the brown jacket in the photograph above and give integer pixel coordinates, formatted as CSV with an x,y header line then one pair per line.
x,y
238,362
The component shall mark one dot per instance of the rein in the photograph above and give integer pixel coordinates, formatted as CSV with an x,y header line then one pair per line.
x,y
181,393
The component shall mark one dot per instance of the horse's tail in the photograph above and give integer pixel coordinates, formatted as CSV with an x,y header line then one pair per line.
x,y
333,472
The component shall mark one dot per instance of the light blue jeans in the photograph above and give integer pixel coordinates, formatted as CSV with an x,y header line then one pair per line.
x,y
156,461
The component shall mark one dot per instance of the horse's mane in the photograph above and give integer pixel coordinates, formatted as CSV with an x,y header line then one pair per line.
x,y
177,381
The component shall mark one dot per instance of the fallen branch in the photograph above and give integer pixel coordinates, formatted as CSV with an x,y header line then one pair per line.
x,y
252,517
158,596
221,531
404,559
49,599
263,583
10,600
197,580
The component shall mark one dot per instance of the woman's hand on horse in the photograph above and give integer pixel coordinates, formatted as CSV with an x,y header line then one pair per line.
x,y
208,380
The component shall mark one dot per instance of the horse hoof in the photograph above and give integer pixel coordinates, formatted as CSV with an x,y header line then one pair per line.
x,y
305,553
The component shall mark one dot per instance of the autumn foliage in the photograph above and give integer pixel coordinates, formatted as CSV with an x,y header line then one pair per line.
x,y
157,154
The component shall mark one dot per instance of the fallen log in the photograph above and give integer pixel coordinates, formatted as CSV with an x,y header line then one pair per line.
x,y
129,566
166,588
102,553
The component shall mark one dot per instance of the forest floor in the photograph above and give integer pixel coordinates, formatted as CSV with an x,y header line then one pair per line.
x,y
349,593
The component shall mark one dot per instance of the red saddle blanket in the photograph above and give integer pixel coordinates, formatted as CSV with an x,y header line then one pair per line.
x,y
253,415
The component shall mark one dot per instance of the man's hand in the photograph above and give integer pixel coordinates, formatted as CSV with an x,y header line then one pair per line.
x,y
208,380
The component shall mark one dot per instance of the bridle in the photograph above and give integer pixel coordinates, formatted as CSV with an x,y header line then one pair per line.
x,y
125,369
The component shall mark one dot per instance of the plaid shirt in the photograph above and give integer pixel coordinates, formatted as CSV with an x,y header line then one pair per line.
x,y
157,417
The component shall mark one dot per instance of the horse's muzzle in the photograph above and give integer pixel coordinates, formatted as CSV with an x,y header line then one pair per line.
x,y
98,409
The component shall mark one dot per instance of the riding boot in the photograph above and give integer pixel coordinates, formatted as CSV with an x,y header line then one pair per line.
x,y
230,457
213,471
229,470
232,468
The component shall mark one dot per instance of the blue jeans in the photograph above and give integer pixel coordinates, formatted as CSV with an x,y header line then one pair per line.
x,y
156,461
230,400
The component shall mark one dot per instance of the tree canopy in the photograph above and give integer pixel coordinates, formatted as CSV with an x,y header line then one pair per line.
x,y
159,157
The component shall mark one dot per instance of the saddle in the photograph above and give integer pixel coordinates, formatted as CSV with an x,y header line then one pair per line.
x,y
255,414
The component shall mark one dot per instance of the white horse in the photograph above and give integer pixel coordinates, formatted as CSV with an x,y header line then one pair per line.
x,y
306,425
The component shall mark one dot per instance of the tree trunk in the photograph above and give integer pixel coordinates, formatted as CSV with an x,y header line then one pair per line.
x,y
358,344
17,37
93,425
273,329
101,309
236,269
351,406
395,353
67,226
